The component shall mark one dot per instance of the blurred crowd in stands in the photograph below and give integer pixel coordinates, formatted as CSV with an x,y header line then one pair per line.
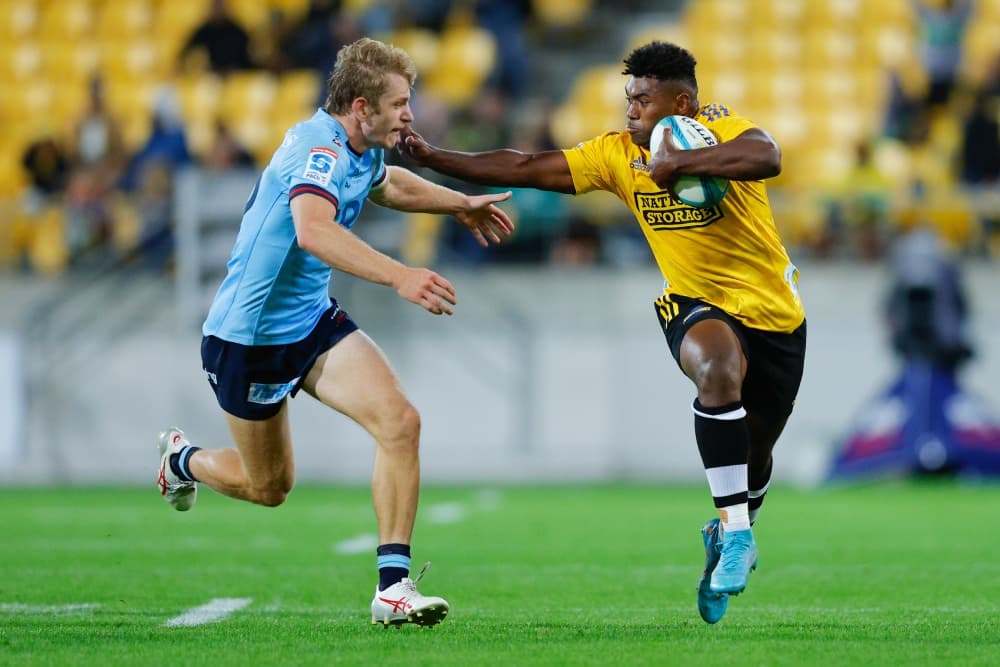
x,y
99,187
945,127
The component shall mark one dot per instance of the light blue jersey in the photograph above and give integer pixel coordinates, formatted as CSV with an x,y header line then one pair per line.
x,y
274,291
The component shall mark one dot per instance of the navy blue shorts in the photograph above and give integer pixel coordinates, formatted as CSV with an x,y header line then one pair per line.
x,y
252,381
775,360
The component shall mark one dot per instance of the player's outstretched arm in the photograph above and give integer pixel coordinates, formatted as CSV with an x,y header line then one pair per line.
x,y
405,191
319,235
752,156
547,170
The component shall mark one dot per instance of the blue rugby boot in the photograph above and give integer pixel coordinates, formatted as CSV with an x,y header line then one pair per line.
x,y
739,557
712,606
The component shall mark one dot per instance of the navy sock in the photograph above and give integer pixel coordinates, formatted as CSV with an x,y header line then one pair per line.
x,y
393,564
179,463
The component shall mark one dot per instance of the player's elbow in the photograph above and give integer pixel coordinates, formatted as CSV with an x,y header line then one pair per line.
x,y
773,168
307,237
768,164
305,241
774,163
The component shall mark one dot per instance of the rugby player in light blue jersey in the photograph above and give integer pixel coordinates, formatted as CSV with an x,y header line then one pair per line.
x,y
273,328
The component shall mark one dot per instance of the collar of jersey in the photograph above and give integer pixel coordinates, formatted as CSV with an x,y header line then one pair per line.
x,y
321,114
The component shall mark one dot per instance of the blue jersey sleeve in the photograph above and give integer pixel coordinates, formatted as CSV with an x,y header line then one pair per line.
x,y
314,166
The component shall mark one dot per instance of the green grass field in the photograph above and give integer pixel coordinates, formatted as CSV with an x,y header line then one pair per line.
x,y
902,574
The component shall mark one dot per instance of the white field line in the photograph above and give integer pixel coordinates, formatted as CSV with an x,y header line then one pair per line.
x,y
358,544
216,610
441,513
59,609
446,513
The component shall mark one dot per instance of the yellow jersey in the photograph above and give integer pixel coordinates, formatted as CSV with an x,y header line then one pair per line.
x,y
729,255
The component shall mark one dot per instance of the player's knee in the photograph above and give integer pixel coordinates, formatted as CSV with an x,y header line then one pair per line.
x,y
718,380
272,495
401,426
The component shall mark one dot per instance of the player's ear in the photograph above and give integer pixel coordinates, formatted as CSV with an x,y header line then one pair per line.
x,y
683,104
361,108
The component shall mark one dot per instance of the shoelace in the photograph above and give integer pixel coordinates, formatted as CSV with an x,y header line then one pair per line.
x,y
733,557
411,584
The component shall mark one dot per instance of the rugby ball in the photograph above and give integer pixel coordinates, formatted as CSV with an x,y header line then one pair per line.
x,y
687,133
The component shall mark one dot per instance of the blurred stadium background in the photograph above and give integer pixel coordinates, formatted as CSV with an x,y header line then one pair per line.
x,y
133,130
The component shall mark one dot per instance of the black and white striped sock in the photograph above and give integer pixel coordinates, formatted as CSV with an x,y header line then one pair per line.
x,y
724,443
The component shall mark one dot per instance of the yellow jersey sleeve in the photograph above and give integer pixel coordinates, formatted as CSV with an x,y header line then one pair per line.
x,y
728,255
591,163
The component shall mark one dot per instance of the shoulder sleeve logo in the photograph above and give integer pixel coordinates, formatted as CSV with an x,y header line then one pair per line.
x,y
319,165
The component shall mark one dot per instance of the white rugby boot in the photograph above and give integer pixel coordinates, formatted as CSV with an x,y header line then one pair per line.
x,y
180,494
403,603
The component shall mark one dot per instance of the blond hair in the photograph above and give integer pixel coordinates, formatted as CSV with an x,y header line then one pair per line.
x,y
362,70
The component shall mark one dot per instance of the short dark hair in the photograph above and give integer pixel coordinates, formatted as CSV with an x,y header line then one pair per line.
x,y
663,61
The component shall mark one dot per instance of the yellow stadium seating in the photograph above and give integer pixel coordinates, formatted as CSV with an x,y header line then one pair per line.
x,y
72,63
899,13
421,43
665,32
717,12
468,47
118,19
48,252
30,102
18,19
251,14
253,131
832,13
773,14
66,19
600,86
247,94
301,89
20,61
730,88
790,126
770,49
291,8
281,119
466,56
176,19
356,7
560,13
199,133
981,50
567,125
834,46
200,96
133,58
131,101
12,175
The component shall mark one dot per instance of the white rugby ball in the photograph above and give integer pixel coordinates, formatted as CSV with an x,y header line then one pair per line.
x,y
687,133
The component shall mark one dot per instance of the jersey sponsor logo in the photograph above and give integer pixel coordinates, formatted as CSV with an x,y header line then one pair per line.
x,y
640,165
319,165
713,111
792,279
696,311
269,394
664,212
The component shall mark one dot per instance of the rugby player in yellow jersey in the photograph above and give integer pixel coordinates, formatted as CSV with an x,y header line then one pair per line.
x,y
730,309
